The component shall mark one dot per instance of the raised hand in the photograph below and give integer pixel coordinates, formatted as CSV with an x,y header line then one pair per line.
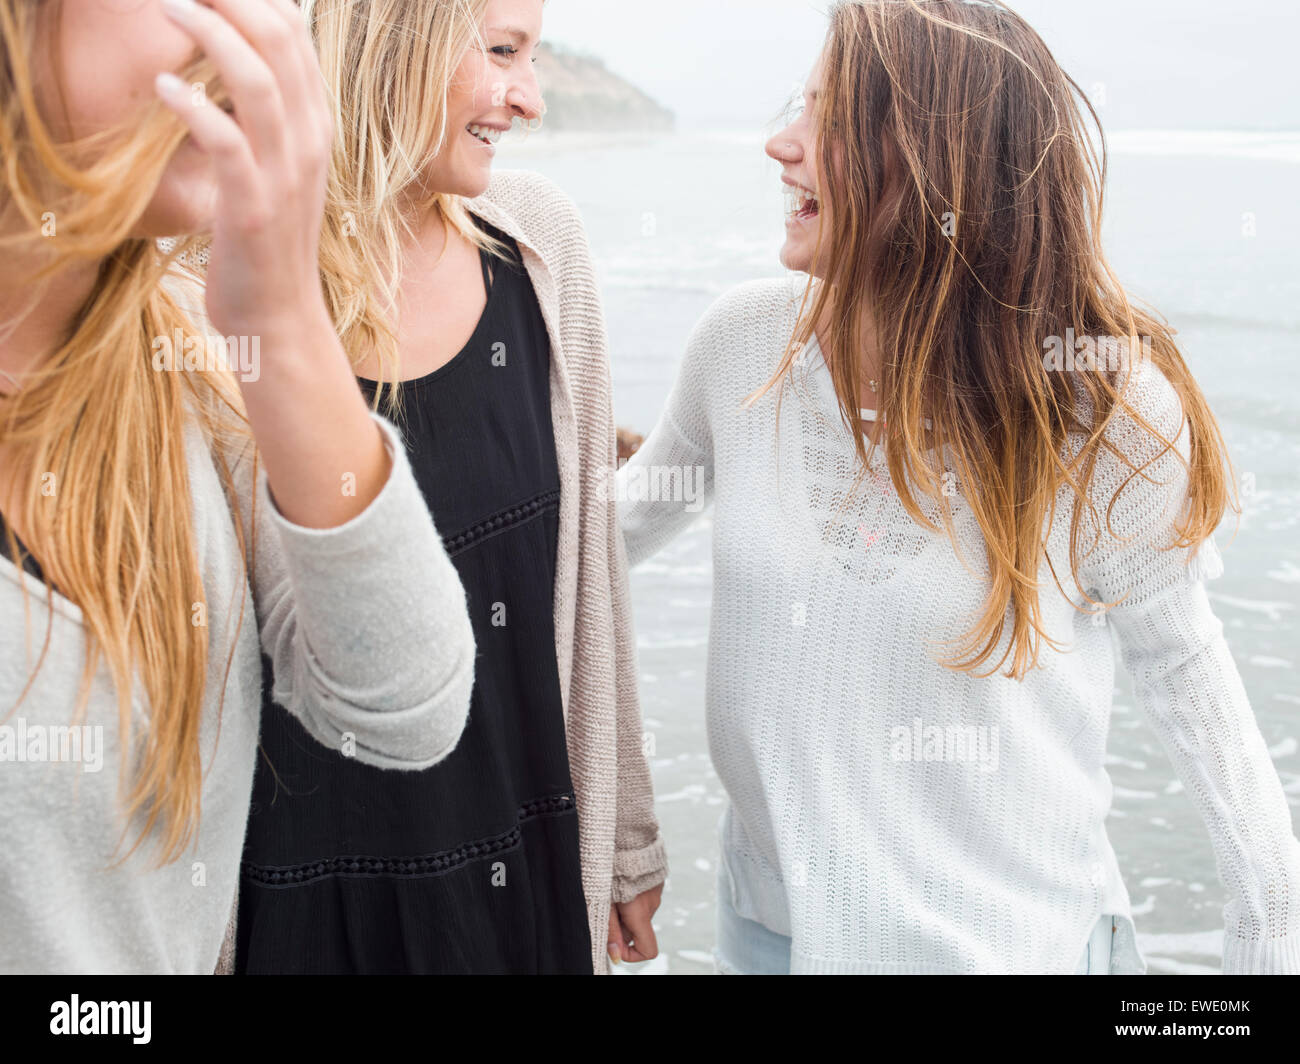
x,y
270,159
324,456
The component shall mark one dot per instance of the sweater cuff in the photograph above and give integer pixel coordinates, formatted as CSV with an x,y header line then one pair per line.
x,y
1268,956
636,871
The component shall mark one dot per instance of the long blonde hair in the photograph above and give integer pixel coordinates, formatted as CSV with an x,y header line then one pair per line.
x,y
961,225
387,65
95,435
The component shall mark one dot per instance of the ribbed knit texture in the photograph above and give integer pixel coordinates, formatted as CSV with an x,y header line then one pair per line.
x,y
852,827
622,850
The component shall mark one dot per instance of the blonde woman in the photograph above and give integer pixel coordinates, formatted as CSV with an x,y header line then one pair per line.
x,y
930,521
145,549
469,305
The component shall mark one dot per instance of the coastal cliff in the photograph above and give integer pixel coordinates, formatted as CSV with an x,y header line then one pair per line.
x,y
583,95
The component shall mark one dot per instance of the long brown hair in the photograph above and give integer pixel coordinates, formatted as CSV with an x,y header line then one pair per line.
x,y
97,423
960,229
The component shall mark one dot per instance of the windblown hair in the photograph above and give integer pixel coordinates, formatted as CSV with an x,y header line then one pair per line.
x,y
387,65
93,441
960,229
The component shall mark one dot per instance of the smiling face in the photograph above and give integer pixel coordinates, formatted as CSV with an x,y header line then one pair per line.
x,y
95,66
493,85
795,148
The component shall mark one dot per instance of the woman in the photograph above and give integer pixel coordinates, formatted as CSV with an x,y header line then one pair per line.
x,y
911,663
130,489
469,306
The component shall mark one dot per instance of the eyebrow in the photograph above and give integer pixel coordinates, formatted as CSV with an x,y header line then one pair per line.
x,y
517,35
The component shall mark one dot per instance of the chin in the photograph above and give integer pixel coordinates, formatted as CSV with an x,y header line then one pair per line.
x,y
473,185
796,259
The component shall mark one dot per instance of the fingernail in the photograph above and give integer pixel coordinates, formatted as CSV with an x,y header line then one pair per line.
x,y
178,7
613,953
169,84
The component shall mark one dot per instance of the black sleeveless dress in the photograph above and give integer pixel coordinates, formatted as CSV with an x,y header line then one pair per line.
x,y
472,865
24,561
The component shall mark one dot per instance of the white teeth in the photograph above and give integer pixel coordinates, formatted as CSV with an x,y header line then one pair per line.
x,y
798,200
484,133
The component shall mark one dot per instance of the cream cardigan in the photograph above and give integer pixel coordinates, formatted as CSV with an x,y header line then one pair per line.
x,y
622,850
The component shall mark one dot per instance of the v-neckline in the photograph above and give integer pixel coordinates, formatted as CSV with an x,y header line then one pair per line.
x,y
814,347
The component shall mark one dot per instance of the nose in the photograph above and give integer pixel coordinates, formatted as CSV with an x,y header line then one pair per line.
x,y
525,97
785,148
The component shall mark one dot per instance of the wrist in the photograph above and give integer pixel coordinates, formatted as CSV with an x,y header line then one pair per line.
x,y
296,347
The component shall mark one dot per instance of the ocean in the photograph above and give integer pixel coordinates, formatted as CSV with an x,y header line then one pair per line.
x,y
1200,226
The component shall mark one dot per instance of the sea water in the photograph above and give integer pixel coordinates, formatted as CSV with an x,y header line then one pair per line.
x,y
1201,226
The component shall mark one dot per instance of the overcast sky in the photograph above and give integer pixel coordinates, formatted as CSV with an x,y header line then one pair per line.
x,y
1165,64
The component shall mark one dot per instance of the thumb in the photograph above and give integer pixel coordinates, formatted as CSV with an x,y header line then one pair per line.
x,y
616,947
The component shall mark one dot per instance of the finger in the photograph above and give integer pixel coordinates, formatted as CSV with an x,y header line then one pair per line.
x,y
253,87
316,102
614,943
296,19
217,134
641,933
631,955
277,42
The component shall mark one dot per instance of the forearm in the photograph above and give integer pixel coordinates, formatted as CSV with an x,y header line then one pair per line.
x,y
662,491
324,456
1192,694
327,603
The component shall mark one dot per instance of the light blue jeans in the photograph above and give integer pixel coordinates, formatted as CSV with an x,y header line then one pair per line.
x,y
746,947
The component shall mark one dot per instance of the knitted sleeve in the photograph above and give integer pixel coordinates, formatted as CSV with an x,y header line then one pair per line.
x,y
1188,685
366,625
657,489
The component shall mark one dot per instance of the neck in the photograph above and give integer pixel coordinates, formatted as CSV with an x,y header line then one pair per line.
x,y
35,320
430,237
869,360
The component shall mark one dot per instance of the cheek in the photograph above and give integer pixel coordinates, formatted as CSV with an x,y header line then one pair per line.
x,y
470,93
108,53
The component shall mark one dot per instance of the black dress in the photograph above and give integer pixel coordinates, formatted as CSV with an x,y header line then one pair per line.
x,y
25,561
472,865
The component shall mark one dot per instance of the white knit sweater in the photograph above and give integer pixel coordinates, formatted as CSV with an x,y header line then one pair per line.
x,y
891,815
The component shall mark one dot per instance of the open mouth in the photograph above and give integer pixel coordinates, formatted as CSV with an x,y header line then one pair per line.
x,y
485,134
801,204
